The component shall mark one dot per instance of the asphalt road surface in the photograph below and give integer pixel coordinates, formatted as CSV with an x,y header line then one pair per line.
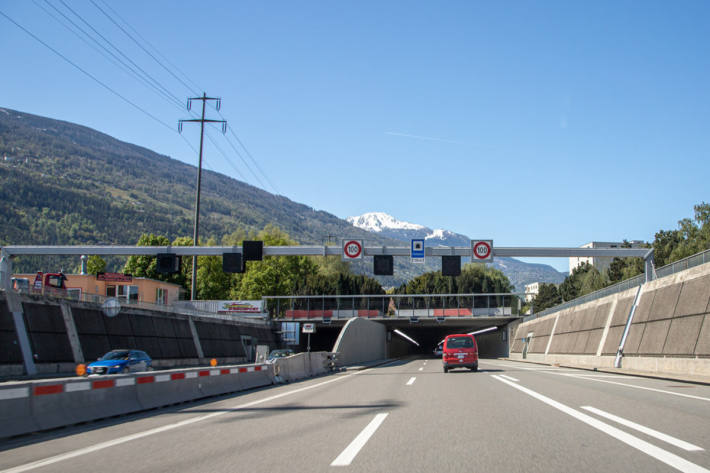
x,y
407,416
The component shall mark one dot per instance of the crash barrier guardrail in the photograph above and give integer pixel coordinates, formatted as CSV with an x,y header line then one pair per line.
x,y
672,268
394,305
40,405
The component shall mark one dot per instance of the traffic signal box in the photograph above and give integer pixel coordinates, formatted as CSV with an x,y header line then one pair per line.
x,y
237,262
232,263
451,265
168,263
253,250
384,265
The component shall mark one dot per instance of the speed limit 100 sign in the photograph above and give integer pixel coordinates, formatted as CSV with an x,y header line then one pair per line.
x,y
352,249
482,251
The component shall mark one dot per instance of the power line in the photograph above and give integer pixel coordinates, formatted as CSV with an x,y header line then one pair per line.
x,y
91,76
158,84
256,163
116,61
229,161
245,163
137,43
157,51
246,151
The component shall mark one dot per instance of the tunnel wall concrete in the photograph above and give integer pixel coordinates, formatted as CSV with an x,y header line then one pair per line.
x,y
360,341
669,334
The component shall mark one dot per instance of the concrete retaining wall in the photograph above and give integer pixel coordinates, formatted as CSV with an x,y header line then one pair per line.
x,y
669,334
360,341
62,334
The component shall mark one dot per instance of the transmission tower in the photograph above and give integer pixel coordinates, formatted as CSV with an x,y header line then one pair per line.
x,y
202,121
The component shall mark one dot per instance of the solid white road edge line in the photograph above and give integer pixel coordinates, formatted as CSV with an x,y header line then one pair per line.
x,y
646,430
411,380
509,378
593,378
659,454
639,387
347,455
164,428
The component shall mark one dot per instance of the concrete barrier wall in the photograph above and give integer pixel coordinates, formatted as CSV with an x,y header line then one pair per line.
x,y
670,333
301,365
38,405
360,341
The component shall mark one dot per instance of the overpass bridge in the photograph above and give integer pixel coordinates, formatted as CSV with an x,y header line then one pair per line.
x,y
423,320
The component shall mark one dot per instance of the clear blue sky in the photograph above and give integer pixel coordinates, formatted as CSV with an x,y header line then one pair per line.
x,y
532,123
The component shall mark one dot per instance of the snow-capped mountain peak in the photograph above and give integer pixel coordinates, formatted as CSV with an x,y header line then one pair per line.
x,y
378,221
438,234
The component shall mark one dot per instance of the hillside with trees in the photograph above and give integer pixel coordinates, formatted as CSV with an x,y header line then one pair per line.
x,y
65,184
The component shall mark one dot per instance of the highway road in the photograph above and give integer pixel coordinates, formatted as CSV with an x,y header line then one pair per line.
x,y
407,416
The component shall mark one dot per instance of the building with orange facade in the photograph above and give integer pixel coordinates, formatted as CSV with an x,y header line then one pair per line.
x,y
125,287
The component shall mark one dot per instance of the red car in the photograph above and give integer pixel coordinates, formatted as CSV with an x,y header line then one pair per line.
x,y
460,351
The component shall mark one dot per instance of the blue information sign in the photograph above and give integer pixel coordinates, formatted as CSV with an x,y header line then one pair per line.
x,y
417,250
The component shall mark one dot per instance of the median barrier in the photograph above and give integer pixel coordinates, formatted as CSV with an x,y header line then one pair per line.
x,y
59,402
256,376
169,387
39,405
16,410
219,380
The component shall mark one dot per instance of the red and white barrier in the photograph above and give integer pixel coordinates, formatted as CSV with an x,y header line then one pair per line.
x,y
38,405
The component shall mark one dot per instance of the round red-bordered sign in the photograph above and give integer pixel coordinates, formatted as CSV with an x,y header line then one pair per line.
x,y
352,249
482,250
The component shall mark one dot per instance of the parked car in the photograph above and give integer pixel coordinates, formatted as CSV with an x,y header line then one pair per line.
x,y
120,361
460,351
439,350
281,353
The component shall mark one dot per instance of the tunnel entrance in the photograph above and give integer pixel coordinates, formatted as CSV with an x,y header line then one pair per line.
x,y
427,333
491,344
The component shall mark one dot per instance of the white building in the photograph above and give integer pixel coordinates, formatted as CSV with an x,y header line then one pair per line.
x,y
600,262
532,290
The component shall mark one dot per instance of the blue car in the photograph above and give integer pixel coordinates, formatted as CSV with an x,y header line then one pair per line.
x,y
120,361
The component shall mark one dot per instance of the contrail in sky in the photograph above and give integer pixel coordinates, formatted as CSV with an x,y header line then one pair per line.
x,y
425,138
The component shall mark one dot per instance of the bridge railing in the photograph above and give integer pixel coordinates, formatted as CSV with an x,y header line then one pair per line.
x,y
393,305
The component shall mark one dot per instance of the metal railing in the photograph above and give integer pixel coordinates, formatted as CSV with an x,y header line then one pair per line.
x,y
393,305
683,264
671,268
165,308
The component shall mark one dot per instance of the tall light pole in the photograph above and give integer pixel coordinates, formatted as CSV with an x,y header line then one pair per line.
x,y
202,121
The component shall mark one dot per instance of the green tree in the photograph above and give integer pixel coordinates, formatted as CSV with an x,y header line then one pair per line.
x,y
212,282
95,264
571,287
146,265
547,296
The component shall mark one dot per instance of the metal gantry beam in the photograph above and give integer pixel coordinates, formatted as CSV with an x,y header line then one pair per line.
x,y
521,252
11,251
